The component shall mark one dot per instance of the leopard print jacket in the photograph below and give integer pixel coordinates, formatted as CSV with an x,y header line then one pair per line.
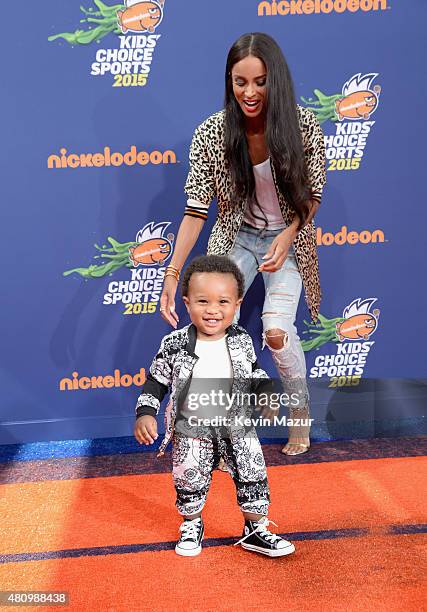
x,y
208,178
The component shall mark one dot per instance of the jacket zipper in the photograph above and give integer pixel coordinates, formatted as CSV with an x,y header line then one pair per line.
x,y
232,364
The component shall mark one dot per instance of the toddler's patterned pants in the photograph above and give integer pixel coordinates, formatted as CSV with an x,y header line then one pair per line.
x,y
194,460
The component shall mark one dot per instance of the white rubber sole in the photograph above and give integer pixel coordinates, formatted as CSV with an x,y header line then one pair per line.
x,y
281,552
183,552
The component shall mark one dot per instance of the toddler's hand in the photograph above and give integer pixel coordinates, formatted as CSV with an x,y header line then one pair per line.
x,y
145,430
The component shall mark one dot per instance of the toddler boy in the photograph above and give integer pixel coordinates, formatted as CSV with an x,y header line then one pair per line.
x,y
210,349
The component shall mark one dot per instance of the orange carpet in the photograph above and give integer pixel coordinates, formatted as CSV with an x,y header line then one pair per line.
x,y
380,565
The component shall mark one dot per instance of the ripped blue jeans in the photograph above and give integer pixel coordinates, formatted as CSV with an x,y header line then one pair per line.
x,y
282,294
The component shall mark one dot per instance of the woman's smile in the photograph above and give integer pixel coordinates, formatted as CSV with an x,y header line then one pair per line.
x,y
251,105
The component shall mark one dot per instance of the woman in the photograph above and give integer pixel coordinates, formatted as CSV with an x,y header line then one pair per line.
x,y
263,158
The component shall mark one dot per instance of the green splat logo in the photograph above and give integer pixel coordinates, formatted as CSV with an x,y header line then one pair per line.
x,y
134,23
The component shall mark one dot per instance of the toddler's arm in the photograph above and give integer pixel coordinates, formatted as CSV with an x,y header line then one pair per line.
x,y
152,393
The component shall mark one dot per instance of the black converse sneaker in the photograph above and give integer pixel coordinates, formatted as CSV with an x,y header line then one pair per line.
x,y
190,542
258,538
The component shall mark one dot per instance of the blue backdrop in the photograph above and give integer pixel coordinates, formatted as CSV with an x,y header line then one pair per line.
x,y
97,124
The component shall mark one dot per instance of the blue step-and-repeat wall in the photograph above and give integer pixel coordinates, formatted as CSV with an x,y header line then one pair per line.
x,y
97,122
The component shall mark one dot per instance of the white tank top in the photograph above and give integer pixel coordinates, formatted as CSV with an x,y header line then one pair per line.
x,y
267,199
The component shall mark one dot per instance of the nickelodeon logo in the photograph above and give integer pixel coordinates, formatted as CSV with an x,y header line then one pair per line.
x,y
346,237
102,382
106,158
309,7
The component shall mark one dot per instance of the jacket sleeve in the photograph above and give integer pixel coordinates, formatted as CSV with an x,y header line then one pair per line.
x,y
261,382
200,185
314,151
156,385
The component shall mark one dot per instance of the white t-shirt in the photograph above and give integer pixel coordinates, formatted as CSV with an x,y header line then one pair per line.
x,y
267,199
214,359
213,372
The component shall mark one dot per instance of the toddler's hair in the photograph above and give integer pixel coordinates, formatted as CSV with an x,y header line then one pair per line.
x,y
213,263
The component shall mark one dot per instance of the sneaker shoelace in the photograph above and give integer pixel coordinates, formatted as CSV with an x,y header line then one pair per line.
x,y
190,529
261,528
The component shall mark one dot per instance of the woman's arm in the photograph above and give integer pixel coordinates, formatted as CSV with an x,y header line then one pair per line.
x,y
278,251
294,226
200,188
314,152
188,233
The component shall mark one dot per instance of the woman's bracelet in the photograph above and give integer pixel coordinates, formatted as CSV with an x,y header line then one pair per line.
x,y
172,271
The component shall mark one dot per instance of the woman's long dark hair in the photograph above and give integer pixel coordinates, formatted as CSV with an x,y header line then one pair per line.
x,y
282,132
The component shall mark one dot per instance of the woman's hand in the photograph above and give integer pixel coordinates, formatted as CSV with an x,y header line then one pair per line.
x,y
167,301
278,251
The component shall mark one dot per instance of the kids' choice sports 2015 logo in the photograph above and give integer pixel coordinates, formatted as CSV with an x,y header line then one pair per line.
x,y
135,22
352,335
139,293
351,114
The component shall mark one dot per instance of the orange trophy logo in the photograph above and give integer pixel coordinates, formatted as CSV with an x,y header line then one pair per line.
x,y
359,99
153,247
140,16
359,322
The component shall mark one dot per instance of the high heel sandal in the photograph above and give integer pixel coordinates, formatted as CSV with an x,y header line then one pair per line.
x,y
304,448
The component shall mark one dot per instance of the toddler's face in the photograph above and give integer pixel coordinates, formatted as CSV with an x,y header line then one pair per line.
x,y
211,302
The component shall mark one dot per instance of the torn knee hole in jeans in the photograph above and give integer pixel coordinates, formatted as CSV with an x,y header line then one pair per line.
x,y
276,339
